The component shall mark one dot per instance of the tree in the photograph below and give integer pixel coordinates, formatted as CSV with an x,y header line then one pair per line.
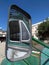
x,y
43,30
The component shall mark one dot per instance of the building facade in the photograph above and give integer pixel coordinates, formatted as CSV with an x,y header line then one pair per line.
x,y
35,27
2,33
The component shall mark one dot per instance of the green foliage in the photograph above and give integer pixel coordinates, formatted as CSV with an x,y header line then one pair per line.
x,y
43,30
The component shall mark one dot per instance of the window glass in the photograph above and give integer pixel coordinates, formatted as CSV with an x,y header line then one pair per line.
x,y
25,34
14,30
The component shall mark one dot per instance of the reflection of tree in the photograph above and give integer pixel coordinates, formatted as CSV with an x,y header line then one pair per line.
x,y
15,14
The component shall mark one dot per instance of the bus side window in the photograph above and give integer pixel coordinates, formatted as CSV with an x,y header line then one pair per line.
x,y
14,30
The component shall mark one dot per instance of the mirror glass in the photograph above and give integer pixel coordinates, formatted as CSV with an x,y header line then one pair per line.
x,y
18,40
15,54
14,31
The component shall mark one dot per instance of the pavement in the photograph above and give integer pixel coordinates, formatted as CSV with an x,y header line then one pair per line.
x,y
2,51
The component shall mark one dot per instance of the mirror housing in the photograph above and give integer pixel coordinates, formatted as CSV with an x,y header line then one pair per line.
x,y
18,40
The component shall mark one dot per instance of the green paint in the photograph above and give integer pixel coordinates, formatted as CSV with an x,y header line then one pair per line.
x,y
32,60
44,57
40,42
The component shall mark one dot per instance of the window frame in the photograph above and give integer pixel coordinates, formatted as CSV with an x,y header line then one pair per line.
x,y
21,40
21,21
9,30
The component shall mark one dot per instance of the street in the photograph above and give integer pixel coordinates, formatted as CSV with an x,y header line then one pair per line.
x,y
2,51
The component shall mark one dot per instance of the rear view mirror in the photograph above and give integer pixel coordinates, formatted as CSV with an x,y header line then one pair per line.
x,y
18,40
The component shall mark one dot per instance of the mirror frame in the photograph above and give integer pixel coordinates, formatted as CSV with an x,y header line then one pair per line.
x,y
27,15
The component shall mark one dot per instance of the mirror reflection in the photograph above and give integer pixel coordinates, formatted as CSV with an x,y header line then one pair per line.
x,y
15,54
18,39
14,30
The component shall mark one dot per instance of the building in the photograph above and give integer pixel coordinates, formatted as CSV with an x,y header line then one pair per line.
x,y
35,27
2,35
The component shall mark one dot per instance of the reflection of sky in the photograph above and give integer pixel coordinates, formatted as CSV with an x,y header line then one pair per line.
x,y
38,10
17,53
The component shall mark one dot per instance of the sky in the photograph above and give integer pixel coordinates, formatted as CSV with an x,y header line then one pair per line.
x,y
38,10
